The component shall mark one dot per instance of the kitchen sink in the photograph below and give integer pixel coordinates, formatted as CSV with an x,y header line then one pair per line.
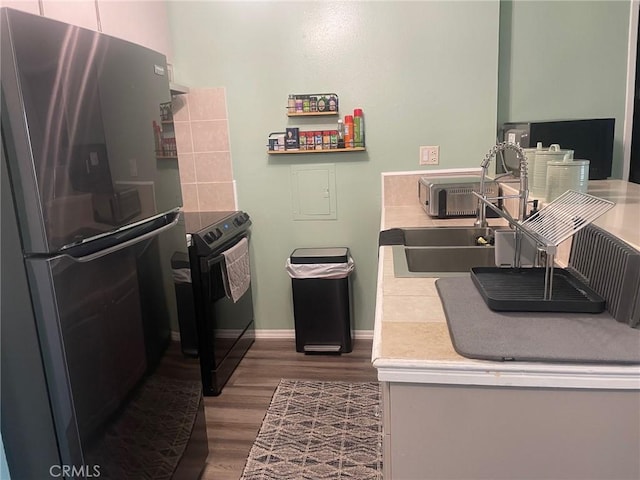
x,y
448,259
442,251
445,236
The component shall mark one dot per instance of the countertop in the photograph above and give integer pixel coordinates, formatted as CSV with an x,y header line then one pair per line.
x,y
411,339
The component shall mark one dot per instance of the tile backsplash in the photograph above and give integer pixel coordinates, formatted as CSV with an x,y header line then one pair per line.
x,y
204,156
401,189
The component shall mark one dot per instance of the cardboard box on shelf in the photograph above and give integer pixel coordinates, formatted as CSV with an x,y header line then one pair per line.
x,y
291,139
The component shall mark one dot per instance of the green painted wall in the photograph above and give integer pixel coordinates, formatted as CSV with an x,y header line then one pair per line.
x,y
564,60
425,73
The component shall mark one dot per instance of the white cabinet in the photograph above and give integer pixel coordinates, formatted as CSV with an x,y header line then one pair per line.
x,y
464,431
144,23
81,12
29,6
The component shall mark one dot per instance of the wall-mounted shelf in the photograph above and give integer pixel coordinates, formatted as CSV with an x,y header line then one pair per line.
x,y
322,139
312,104
311,114
326,150
177,89
164,133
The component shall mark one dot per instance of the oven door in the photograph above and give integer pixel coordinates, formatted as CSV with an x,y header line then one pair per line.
x,y
225,328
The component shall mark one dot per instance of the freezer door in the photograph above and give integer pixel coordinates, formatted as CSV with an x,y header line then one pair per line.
x,y
92,337
80,117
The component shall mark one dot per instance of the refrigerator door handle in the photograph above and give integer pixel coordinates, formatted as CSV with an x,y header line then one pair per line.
x,y
125,244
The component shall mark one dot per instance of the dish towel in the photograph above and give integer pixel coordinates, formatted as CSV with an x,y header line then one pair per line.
x,y
237,270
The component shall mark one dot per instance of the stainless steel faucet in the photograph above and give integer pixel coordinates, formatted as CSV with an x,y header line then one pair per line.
x,y
523,194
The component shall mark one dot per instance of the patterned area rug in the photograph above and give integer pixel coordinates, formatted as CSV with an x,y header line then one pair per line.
x,y
147,441
316,430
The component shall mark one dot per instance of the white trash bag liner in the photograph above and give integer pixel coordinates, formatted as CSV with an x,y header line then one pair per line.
x,y
320,270
181,275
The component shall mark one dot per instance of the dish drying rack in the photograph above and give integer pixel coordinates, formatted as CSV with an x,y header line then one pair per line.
x,y
553,224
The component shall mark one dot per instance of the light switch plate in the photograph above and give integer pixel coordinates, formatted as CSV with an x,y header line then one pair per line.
x,y
430,155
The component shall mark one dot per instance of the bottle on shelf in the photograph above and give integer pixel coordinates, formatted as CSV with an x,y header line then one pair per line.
x,y
358,128
291,104
322,103
348,131
334,139
333,103
157,137
311,140
340,133
326,139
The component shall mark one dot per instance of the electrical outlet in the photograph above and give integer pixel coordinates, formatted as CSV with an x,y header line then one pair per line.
x,y
430,155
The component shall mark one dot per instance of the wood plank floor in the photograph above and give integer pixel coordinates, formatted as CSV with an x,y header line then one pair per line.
x,y
234,417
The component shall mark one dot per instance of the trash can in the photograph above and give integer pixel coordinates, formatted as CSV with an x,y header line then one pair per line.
x,y
322,308
181,271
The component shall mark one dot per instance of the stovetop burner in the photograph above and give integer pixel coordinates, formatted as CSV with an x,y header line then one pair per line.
x,y
210,231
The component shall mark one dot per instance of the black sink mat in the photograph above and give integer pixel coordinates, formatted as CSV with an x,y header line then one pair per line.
x,y
522,290
393,236
478,332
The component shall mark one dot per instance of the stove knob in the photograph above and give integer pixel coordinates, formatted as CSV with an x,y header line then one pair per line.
x,y
218,233
209,238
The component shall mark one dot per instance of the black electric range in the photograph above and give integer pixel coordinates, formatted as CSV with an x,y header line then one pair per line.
x,y
225,328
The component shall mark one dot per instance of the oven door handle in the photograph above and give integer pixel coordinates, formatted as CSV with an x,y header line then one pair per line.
x,y
214,260
220,257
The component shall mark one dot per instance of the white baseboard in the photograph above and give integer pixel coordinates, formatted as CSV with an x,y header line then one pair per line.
x,y
363,334
264,333
286,334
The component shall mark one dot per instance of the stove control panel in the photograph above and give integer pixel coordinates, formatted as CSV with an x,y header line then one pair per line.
x,y
213,237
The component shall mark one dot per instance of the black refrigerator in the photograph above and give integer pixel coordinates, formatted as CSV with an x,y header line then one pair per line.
x,y
90,219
